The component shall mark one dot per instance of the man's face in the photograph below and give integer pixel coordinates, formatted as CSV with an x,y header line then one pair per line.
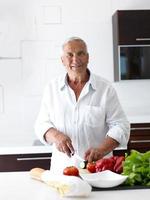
x,y
75,57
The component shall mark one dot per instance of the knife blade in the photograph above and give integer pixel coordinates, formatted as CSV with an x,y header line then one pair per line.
x,y
78,157
82,163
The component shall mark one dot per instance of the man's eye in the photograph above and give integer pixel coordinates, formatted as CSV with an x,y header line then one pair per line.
x,y
70,55
81,53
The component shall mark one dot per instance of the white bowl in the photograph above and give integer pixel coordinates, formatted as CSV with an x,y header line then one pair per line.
x,y
104,179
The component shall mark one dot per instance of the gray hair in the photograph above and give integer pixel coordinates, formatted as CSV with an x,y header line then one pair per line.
x,y
74,39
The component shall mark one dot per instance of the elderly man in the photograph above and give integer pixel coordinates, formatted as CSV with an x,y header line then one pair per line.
x,y
80,112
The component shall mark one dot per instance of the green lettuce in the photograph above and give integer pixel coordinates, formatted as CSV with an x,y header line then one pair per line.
x,y
137,167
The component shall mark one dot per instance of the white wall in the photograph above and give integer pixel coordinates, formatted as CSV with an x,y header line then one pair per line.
x,y
31,34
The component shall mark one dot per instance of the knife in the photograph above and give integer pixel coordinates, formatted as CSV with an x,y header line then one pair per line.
x,y
83,162
78,157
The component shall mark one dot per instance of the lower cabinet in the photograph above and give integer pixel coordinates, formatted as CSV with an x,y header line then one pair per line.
x,y
139,139
24,162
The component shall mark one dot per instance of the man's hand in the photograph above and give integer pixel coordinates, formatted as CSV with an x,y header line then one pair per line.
x,y
108,145
63,142
93,154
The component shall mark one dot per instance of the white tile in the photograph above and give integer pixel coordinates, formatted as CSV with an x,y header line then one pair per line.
x,y
32,50
9,44
11,80
129,5
30,114
51,32
51,14
54,68
16,24
10,72
83,11
56,50
133,96
47,14
33,76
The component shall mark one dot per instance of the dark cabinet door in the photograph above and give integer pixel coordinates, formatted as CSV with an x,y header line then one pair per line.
x,y
133,27
131,44
24,162
139,139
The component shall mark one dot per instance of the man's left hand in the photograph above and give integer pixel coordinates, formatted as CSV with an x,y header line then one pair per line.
x,y
93,154
106,147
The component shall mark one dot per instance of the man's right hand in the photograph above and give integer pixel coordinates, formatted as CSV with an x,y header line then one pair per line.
x,y
63,142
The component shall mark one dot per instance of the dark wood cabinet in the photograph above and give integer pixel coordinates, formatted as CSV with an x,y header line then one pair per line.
x,y
132,27
24,162
131,44
139,139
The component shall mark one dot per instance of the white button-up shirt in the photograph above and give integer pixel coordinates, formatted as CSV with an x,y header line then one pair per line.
x,y
96,114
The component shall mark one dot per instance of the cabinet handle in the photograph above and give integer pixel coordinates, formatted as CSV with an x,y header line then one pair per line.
x,y
139,141
141,128
142,39
32,158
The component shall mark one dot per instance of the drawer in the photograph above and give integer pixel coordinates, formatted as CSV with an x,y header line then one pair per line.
x,y
139,139
24,162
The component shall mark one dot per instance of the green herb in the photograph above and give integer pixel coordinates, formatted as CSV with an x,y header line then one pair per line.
x,y
137,167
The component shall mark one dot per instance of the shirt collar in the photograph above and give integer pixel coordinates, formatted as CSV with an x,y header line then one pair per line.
x,y
91,81
63,82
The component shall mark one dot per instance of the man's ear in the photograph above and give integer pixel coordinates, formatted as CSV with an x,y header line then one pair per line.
x,y
62,60
88,57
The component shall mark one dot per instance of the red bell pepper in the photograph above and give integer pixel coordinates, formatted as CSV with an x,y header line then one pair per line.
x,y
114,163
105,164
118,167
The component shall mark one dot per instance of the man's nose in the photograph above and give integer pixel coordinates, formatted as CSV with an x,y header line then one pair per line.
x,y
75,57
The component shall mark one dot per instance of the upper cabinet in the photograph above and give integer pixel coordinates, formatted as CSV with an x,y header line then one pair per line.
x,y
132,27
131,43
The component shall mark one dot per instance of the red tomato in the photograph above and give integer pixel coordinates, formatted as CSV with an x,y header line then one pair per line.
x,y
91,167
71,171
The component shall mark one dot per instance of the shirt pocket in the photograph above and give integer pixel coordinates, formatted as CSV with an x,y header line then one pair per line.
x,y
94,116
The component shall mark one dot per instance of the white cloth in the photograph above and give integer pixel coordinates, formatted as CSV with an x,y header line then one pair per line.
x,y
97,113
67,186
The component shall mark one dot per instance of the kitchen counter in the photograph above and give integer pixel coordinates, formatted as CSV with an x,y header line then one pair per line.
x,y
24,158
25,150
19,185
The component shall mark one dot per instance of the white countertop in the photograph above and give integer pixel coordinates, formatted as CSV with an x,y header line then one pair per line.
x,y
135,119
19,186
25,150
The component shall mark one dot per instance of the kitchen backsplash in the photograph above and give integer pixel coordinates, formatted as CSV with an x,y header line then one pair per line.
x,y
31,34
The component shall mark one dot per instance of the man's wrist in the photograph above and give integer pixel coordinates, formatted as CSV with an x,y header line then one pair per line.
x,y
51,135
108,145
102,152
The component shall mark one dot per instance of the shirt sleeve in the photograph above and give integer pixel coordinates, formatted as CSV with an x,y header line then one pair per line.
x,y
119,126
43,122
